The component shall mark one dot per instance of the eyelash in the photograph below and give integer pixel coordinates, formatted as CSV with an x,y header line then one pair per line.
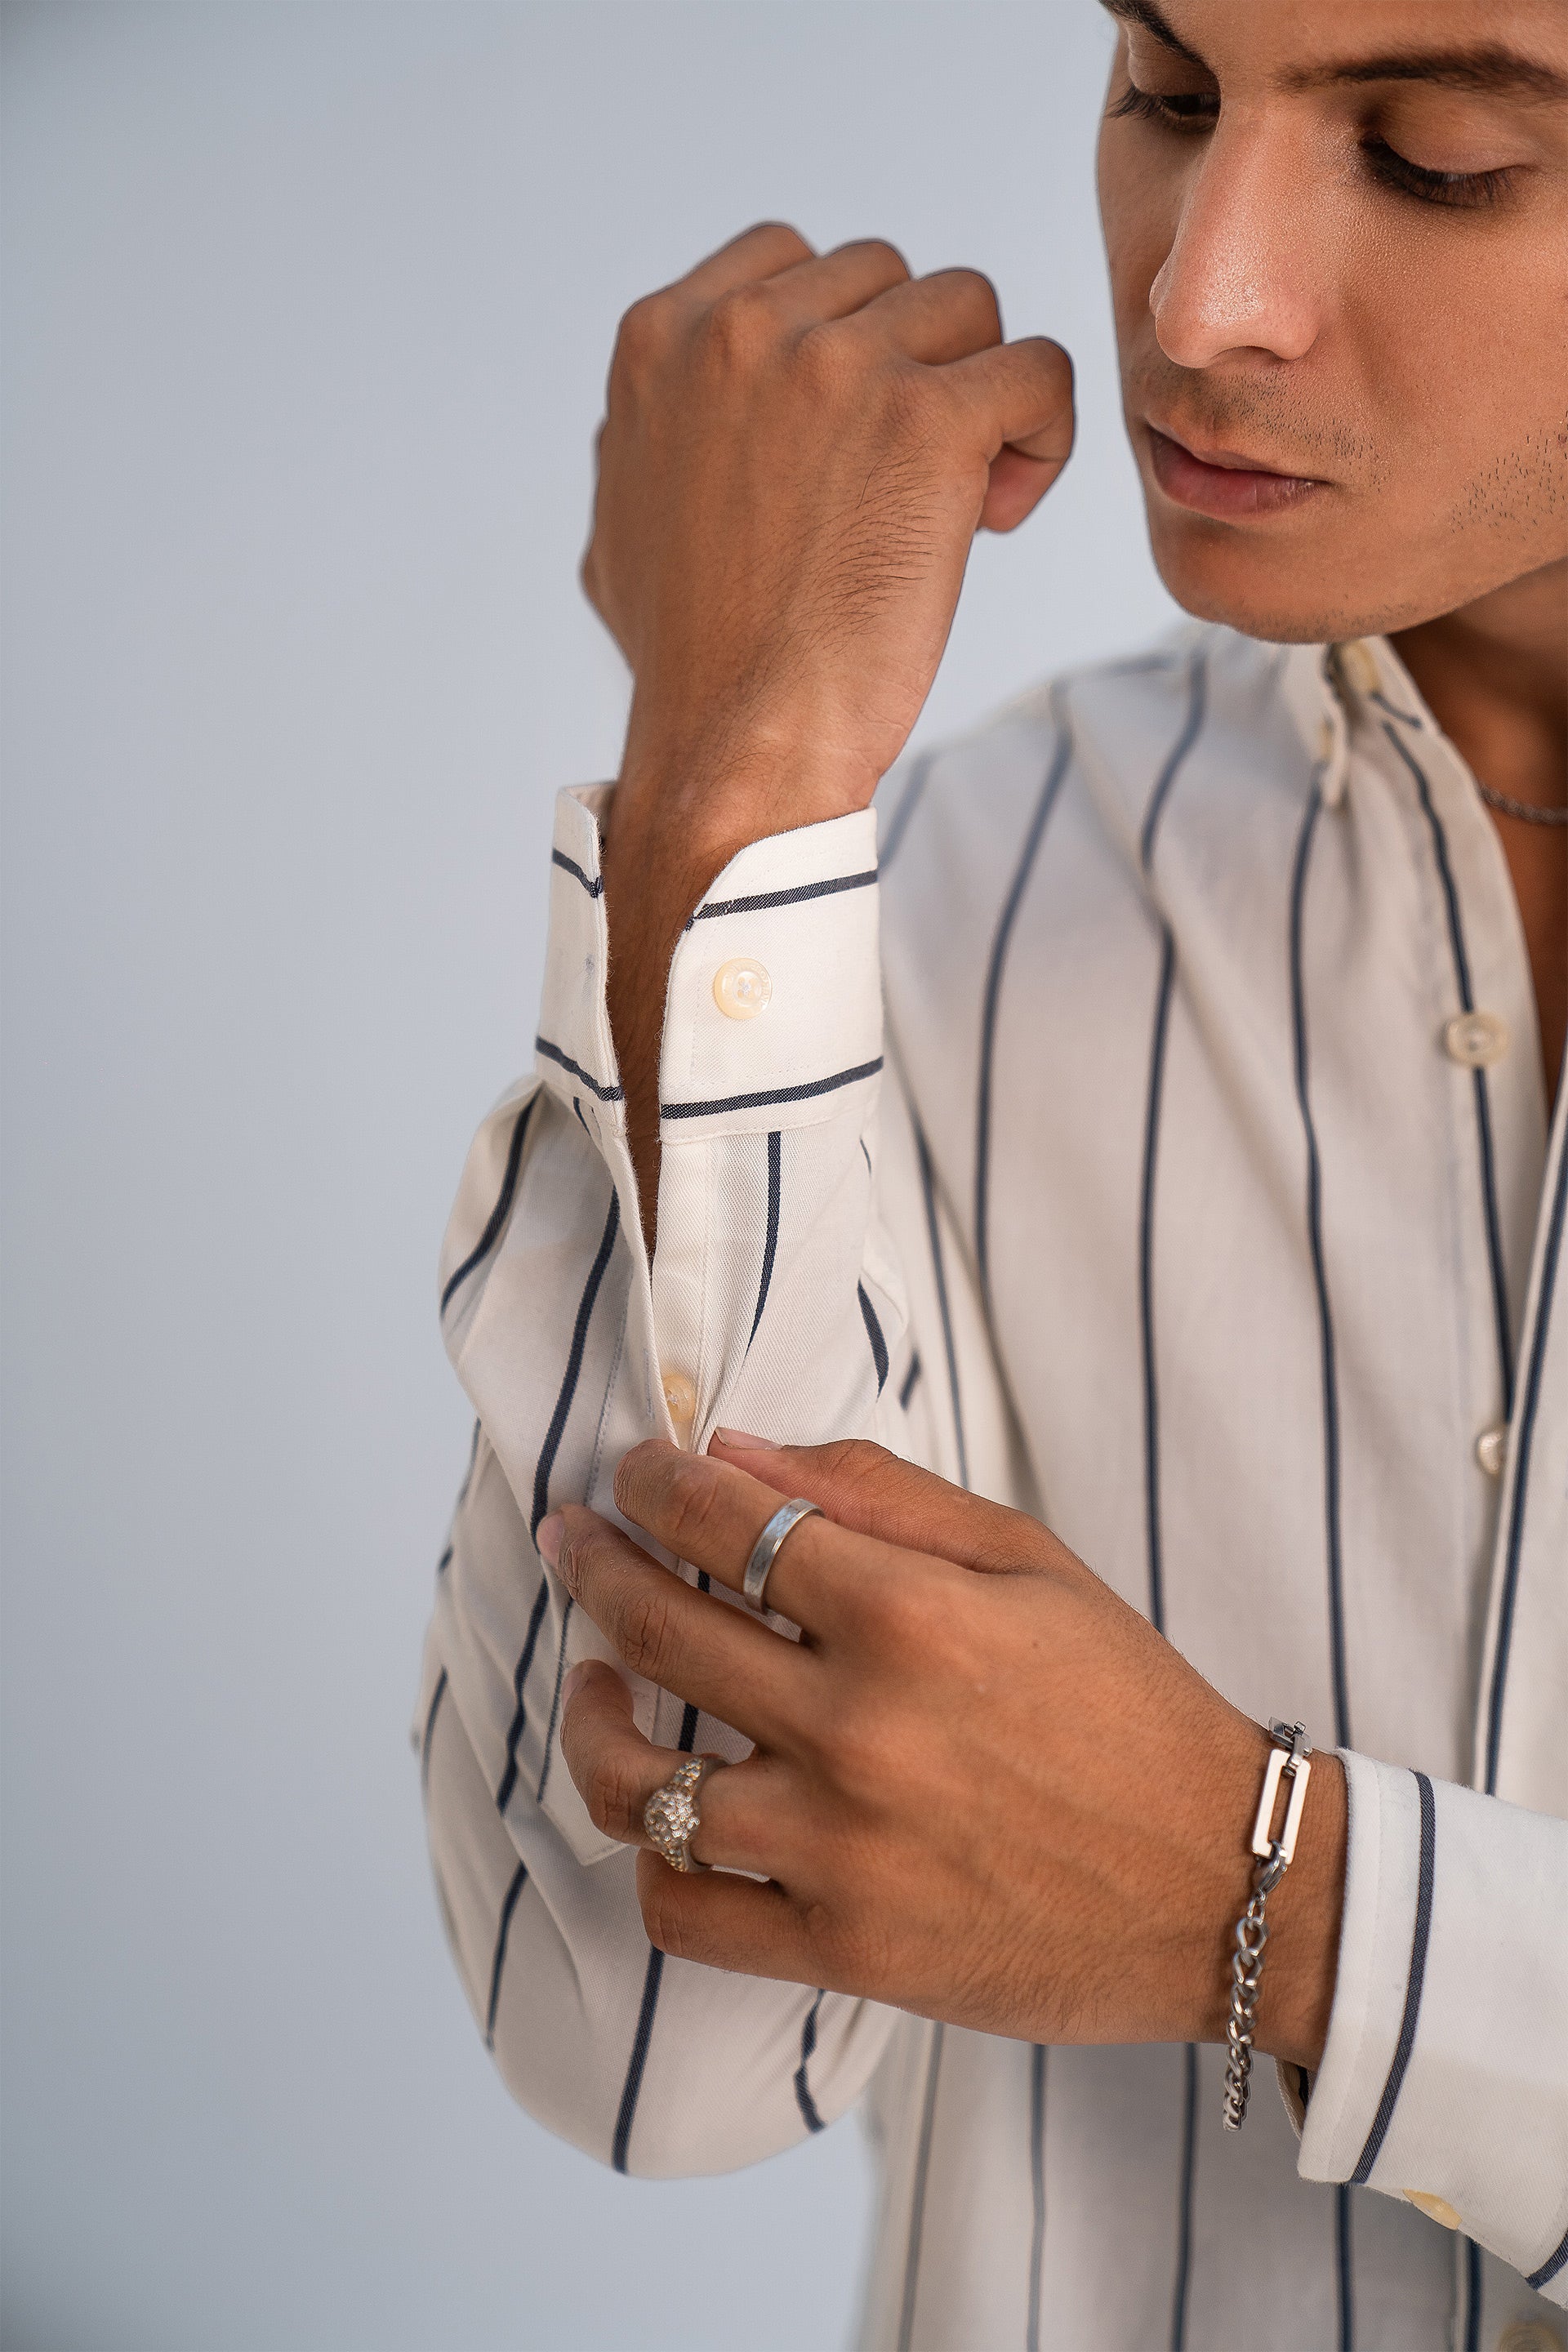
x,y
1466,191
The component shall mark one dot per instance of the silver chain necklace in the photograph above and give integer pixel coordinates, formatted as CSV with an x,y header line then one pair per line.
x,y
1524,809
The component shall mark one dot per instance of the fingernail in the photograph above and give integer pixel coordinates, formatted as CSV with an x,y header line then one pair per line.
x,y
548,1537
741,1441
572,1677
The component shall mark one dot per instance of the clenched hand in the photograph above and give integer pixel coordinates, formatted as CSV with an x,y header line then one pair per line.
x,y
796,454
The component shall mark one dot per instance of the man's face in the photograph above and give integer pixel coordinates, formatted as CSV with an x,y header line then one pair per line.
x,y
1338,238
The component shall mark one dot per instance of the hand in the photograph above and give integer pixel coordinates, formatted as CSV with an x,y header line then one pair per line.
x,y
796,456
983,1788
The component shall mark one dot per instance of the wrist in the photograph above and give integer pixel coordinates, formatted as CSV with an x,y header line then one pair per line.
x,y
1297,1993
727,778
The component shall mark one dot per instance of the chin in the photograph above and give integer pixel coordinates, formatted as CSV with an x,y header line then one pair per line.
x,y
1264,584
1308,578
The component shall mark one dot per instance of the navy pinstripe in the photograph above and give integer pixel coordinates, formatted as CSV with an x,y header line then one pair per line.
x,y
503,1209
1037,2185
1413,1980
1478,1078
1332,1522
1524,1446
503,1928
1184,2199
1192,724
999,945
803,2099
546,1463
918,2196
939,1276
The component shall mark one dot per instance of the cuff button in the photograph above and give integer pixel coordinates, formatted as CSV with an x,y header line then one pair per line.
x,y
741,989
1437,2209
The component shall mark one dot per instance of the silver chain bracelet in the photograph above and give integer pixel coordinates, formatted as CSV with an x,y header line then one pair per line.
x,y
1287,1760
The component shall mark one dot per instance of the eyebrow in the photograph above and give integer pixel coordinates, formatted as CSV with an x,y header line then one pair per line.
x,y
1145,14
1490,72
1487,72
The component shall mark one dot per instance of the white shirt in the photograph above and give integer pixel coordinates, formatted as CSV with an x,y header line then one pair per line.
x,y
1176,1167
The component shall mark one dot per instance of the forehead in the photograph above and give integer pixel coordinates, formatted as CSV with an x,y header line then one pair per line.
x,y
1518,52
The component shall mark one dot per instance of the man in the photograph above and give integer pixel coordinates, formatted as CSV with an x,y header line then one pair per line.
x,y
1198,1197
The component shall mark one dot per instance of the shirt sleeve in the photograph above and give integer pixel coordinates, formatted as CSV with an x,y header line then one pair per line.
x,y
1445,2075
773,1303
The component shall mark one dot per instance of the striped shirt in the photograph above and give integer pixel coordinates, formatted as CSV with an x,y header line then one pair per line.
x,y
1153,1136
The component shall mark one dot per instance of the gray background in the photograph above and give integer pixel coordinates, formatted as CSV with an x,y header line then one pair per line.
x,y
308,308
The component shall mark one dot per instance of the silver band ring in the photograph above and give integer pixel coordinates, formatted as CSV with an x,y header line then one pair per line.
x,y
671,1817
765,1551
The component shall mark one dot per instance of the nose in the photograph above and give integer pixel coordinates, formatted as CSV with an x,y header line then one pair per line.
x,y
1244,270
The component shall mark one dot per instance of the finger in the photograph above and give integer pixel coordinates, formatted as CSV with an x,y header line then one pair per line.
x,y
723,1660
1015,490
945,316
615,1771
712,1513
866,1488
1021,396
759,252
842,281
725,1923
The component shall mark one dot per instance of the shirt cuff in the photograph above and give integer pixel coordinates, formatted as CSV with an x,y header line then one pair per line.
x,y
573,1052
1445,2075
773,1004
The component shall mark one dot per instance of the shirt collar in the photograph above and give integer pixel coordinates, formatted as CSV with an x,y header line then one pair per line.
x,y
1329,687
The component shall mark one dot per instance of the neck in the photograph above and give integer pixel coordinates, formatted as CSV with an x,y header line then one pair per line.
x,y
1495,676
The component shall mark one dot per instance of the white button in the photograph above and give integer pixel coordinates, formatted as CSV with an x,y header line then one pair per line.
x,y
1437,2209
1492,1446
741,989
1475,1040
1360,667
1528,2336
680,1398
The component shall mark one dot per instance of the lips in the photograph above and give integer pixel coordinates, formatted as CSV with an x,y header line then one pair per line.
x,y
1224,484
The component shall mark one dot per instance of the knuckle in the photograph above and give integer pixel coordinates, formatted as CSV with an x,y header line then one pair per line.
x,y
640,335
882,250
611,1806
783,238
691,1499
981,292
858,1459
662,1916
822,357
1052,364
644,1635
738,329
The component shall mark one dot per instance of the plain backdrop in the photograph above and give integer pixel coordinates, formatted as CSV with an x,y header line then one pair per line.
x,y
307,313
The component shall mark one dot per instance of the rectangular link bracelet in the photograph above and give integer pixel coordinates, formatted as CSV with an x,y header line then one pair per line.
x,y
1287,1759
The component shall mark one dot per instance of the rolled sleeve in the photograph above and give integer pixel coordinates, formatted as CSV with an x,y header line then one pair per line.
x,y
1445,2076
573,1050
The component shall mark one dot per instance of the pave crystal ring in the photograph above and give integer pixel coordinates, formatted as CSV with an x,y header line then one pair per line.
x,y
765,1551
671,1817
